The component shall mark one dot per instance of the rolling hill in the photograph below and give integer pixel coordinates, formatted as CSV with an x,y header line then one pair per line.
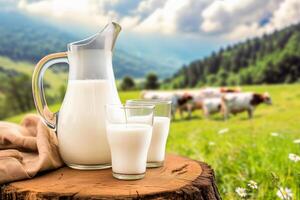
x,y
270,59
23,38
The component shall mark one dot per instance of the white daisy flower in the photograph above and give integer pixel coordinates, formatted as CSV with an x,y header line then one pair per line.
x,y
294,157
211,143
284,193
241,191
275,134
224,130
297,141
252,184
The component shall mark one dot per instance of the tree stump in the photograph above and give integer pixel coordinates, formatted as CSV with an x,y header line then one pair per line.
x,y
180,178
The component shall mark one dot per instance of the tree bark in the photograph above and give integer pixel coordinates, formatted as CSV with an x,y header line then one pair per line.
x,y
180,178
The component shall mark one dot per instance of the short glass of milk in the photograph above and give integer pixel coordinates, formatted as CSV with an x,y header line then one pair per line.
x,y
129,132
161,126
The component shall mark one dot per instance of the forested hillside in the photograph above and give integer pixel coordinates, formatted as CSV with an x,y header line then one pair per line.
x,y
23,38
15,86
273,58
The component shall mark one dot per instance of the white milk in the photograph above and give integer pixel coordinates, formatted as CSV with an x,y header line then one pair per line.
x,y
129,144
81,122
160,134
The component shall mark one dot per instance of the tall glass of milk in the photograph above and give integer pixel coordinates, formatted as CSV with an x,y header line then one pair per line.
x,y
161,126
129,132
80,122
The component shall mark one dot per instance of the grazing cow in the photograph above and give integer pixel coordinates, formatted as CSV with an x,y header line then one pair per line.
x,y
187,100
239,102
199,96
185,103
210,92
211,106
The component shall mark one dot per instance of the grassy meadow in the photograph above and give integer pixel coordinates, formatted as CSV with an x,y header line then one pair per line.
x,y
245,149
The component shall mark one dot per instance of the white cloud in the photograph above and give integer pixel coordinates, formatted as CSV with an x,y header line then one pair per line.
x,y
240,31
91,12
163,19
287,13
224,16
232,19
147,6
174,16
129,22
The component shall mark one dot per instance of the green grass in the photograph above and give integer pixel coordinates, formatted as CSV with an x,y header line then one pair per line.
x,y
247,151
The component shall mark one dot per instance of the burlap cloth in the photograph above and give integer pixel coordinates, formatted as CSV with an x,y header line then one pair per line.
x,y
27,149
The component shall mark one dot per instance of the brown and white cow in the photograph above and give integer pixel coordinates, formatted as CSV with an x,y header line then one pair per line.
x,y
239,102
187,100
185,103
208,99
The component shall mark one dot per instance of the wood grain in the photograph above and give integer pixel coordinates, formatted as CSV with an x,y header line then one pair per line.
x,y
180,178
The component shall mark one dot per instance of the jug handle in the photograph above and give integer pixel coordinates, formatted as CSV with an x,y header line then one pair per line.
x,y
43,110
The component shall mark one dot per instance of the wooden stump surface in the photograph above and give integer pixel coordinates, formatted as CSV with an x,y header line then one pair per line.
x,y
180,178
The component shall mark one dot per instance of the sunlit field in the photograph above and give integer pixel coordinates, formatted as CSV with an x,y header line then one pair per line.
x,y
240,149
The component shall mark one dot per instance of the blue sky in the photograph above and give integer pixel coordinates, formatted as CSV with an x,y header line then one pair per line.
x,y
174,31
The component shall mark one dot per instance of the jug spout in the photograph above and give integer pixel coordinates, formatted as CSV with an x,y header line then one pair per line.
x,y
104,40
111,32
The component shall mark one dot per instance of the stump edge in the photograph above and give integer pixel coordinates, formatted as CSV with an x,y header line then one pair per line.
x,y
203,187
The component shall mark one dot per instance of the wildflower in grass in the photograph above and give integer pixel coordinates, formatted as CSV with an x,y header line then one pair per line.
x,y
284,193
224,130
241,192
275,134
252,184
211,143
297,141
293,157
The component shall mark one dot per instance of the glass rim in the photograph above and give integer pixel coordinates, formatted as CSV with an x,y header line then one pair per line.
x,y
124,106
149,101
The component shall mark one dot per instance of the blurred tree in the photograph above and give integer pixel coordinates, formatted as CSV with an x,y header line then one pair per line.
x,y
127,83
19,92
272,58
62,92
233,80
3,110
222,78
16,95
246,77
151,81
211,80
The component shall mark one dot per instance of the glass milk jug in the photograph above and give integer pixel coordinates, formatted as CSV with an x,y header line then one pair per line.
x,y
80,122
